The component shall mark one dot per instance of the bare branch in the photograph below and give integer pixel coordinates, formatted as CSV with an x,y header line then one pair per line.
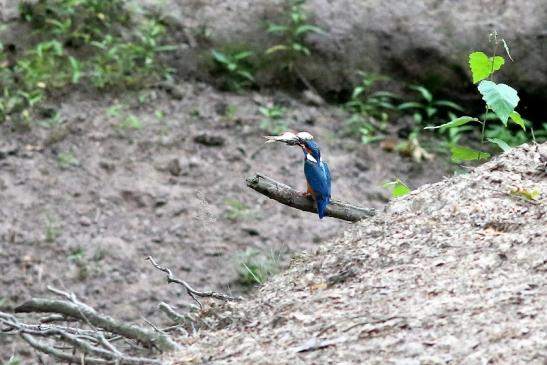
x,y
191,291
295,199
88,314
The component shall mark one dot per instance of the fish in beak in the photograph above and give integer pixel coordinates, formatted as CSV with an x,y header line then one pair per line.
x,y
290,138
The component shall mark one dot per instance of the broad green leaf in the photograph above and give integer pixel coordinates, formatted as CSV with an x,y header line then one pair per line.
x,y
357,91
501,98
455,122
483,66
398,188
515,117
426,94
461,153
500,143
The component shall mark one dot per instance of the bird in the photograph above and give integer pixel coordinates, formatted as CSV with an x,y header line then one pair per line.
x,y
316,170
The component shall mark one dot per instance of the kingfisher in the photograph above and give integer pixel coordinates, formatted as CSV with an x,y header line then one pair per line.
x,y
315,169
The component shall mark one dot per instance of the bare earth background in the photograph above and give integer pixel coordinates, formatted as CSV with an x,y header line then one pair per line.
x,y
159,191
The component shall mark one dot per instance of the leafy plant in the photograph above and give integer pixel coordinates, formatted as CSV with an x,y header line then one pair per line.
x,y
369,108
80,42
500,99
293,34
273,121
75,22
130,63
427,110
237,67
130,122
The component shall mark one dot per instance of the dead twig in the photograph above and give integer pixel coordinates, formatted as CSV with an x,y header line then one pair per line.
x,y
293,198
193,293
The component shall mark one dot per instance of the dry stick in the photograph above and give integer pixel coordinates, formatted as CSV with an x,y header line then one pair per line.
x,y
191,291
84,312
293,198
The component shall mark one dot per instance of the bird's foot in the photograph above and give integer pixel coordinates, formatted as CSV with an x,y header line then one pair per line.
x,y
307,194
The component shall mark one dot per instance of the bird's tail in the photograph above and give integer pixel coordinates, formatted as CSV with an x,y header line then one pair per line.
x,y
322,203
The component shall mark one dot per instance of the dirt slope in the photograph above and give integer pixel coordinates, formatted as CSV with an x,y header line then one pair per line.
x,y
455,273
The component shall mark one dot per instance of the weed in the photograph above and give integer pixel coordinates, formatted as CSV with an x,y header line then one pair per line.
x,y
273,121
66,160
231,113
77,256
428,110
369,108
130,122
80,42
75,22
255,267
293,34
236,210
237,67
52,230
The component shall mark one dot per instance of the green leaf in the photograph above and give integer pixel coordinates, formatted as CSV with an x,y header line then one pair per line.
x,y
306,28
398,188
426,94
515,117
501,98
410,105
455,122
219,57
448,104
276,28
242,55
461,153
276,48
500,143
483,66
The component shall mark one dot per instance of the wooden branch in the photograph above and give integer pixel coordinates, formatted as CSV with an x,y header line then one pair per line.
x,y
88,314
191,291
293,198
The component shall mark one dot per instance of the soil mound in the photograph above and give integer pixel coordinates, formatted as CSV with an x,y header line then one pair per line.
x,y
452,273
